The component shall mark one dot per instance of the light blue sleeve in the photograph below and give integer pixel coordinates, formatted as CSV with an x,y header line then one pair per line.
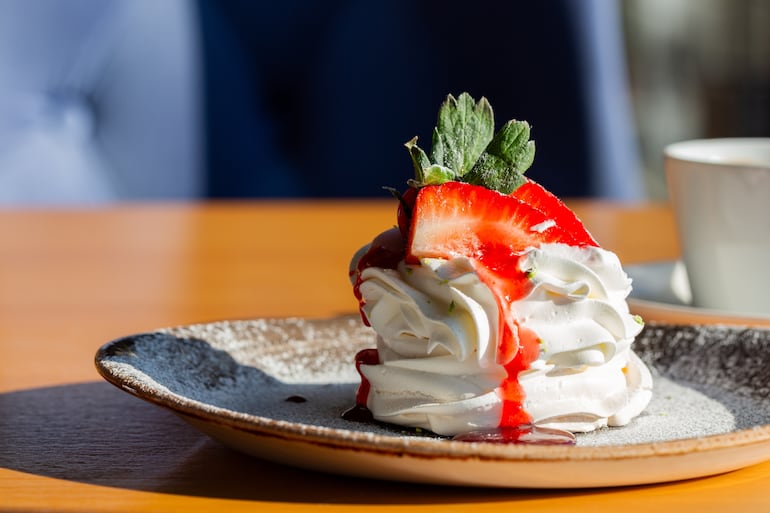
x,y
99,101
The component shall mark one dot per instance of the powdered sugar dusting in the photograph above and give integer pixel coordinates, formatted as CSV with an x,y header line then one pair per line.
x,y
298,372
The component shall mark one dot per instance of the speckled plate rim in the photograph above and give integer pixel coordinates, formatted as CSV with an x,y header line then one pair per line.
x,y
691,457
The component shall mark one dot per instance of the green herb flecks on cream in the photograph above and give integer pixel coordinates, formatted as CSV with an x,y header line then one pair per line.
x,y
466,148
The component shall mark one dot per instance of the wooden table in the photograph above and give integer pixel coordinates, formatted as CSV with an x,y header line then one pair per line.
x,y
73,280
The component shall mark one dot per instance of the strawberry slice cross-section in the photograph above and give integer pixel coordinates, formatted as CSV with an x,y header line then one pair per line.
x,y
458,219
493,231
536,196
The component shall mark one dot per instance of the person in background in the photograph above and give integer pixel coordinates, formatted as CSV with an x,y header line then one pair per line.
x,y
241,99
100,101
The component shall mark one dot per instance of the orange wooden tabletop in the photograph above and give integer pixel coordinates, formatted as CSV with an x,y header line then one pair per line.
x,y
71,280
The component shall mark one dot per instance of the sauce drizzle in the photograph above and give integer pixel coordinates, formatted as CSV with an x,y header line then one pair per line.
x,y
385,252
523,434
498,268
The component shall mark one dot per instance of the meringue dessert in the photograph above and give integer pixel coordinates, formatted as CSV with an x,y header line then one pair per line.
x,y
494,307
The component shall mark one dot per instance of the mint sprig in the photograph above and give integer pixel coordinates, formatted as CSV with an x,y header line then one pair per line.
x,y
465,148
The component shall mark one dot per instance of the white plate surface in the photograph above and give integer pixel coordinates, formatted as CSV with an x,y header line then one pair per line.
x,y
662,293
276,388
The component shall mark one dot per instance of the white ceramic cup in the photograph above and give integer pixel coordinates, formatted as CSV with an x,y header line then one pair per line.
x,y
720,191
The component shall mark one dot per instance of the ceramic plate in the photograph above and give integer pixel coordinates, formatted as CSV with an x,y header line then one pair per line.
x,y
276,388
662,293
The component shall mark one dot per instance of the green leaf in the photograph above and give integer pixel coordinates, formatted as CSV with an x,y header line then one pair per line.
x,y
436,175
512,144
463,130
466,148
420,160
502,165
494,173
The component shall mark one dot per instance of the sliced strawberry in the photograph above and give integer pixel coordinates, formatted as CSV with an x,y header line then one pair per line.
x,y
491,229
405,206
536,196
459,219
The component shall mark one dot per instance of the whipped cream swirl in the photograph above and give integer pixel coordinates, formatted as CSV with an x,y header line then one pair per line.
x,y
437,327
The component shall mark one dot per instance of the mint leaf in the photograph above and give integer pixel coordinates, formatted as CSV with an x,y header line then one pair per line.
x,y
502,165
463,131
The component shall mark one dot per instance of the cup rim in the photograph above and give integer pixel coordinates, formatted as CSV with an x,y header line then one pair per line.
x,y
674,151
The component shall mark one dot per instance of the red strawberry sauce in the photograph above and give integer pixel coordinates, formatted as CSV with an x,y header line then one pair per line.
x,y
518,346
498,268
385,252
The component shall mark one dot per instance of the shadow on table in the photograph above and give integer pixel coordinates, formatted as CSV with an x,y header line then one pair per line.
x,y
96,434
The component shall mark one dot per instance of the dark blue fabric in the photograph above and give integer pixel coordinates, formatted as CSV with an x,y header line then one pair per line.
x,y
316,98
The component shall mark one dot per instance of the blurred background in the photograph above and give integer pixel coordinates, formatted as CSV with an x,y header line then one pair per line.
x,y
125,100
697,68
